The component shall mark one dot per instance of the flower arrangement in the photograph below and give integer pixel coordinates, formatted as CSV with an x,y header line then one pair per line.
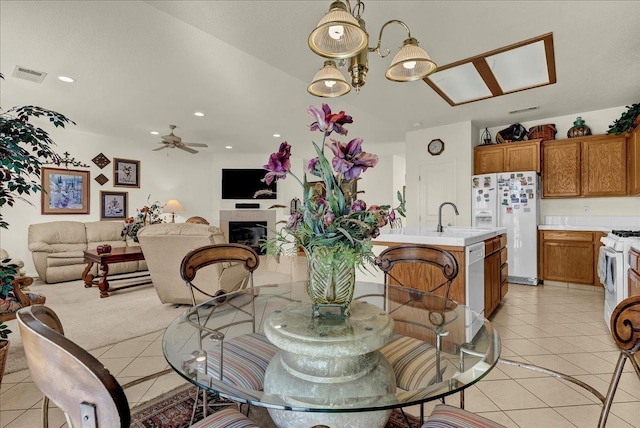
x,y
336,219
149,214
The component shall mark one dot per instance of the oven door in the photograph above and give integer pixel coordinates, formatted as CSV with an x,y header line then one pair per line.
x,y
611,274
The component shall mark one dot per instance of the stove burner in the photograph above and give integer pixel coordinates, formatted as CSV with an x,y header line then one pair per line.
x,y
626,233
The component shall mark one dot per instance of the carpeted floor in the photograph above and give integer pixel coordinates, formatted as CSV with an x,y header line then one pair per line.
x,y
173,410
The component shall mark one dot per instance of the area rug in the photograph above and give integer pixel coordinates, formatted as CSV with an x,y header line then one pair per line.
x,y
173,410
92,322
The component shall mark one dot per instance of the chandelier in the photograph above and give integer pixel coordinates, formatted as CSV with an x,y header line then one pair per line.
x,y
341,35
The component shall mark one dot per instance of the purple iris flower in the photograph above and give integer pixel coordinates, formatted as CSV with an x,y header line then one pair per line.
x,y
328,122
279,163
294,220
314,167
358,205
349,159
329,217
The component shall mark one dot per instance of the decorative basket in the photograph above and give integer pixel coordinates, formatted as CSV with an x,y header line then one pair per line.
x,y
546,132
515,132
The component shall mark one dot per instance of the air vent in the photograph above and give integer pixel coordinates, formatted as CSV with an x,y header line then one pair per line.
x,y
28,74
523,110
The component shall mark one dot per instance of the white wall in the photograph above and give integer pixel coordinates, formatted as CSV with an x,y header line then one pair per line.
x,y
165,174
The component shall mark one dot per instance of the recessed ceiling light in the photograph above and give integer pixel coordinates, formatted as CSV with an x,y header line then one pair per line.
x,y
417,124
155,133
276,135
228,147
198,113
66,79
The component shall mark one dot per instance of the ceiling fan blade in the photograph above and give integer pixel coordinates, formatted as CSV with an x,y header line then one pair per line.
x,y
195,144
170,139
187,149
160,148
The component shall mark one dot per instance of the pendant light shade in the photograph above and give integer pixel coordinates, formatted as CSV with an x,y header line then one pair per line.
x,y
411,63
338,34
329,82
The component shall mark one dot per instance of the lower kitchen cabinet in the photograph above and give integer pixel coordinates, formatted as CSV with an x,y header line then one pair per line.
x,y
634,272
569,256
495,273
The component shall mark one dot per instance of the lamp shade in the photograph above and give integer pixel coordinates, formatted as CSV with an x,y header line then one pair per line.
x,y
338,34
173,206
411,63
328,82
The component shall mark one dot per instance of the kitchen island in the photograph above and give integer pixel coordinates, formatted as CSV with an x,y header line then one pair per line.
x,y
457,241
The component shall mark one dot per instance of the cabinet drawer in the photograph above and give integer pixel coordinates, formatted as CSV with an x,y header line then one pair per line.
x,y
503,240
504,288
504,272
490,246
634,260
503,256
566,235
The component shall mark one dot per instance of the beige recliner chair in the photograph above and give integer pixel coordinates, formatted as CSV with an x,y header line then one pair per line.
x,y
164,246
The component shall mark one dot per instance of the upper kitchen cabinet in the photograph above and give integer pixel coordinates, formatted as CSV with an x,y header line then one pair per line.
x,y
507,157
633,161
585,167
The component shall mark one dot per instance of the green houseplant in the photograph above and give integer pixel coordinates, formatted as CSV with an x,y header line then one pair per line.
x,y
627,121
24,148
332,226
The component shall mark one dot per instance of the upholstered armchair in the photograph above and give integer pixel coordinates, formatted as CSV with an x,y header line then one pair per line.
x,y
164,246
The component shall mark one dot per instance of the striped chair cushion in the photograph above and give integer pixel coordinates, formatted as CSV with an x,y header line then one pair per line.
x,y
413,362
245,360
226,418
444,416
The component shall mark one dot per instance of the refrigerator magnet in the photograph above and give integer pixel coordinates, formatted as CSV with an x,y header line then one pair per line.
x,y
516,206
505,202
509,210
523,200
527,209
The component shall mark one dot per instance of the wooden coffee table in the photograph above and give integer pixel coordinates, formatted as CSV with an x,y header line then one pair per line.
x,y
117,255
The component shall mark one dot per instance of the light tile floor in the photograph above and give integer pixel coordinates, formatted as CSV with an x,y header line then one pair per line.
x,y
558,326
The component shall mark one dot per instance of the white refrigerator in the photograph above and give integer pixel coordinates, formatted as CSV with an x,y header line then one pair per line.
x,y
512,202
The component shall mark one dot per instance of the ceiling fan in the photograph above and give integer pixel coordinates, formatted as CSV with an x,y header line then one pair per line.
x,y
172,141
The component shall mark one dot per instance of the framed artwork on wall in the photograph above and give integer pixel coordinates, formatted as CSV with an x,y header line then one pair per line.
x,y
114,205
126,173
65,191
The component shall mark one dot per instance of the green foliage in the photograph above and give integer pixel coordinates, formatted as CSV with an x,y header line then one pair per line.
x,y
24,148
4,331
625,122
8,272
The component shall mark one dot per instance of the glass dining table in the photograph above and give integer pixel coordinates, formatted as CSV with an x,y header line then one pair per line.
x,y
399,347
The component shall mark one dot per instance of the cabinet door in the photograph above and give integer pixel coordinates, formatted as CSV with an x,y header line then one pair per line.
x,y
568,261
522,156
488,159
633,162
561,169
604,166
634,283
491,283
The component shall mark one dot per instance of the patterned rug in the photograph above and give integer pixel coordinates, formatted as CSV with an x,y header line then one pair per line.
x,y
173,410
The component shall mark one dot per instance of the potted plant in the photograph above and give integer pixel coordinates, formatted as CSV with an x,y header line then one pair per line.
x,y
24,148
627,121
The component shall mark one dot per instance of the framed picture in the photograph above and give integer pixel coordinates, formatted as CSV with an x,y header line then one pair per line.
x,y
126,173
114,205
65,191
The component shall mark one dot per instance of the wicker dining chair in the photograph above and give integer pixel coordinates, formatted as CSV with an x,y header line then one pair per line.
x,y
415,362
625,329
78,383
240,361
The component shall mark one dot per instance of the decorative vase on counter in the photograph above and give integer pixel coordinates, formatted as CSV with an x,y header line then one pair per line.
x,y
579,129
332,279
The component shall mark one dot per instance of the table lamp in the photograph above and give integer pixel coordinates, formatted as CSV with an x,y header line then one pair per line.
x,y
173,206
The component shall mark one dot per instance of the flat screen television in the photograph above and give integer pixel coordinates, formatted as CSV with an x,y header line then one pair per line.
x,y
247,184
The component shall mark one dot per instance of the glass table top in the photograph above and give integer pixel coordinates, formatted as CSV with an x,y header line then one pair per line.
x,y
464,345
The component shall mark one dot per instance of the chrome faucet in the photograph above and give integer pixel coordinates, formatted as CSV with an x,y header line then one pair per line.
x,y
440,228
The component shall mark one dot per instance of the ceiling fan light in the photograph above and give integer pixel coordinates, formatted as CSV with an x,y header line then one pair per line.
x,y
410,63
338,34
329,82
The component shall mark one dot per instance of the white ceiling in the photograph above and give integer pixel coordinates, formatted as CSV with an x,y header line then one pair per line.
x,y
143,65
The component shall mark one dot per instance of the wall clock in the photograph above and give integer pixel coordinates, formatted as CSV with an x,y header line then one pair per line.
x,y
435,147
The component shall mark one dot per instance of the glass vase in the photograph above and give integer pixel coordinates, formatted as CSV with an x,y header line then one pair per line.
x,y
332,278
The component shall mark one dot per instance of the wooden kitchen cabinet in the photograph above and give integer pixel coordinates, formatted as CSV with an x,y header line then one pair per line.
x,y
507,157
495,273
633,162
634,273
569,256
585,167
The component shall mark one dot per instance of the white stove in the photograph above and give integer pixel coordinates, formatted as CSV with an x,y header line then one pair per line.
x,y
613,264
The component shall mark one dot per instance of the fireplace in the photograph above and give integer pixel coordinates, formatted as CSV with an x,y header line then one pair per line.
x,y
250,233
248,227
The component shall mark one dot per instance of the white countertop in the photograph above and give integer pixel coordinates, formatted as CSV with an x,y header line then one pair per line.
x,y
452,236
577,228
